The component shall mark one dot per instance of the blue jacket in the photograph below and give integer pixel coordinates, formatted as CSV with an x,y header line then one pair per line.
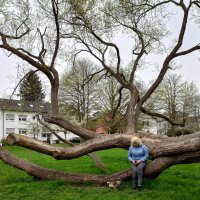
x,y
138,153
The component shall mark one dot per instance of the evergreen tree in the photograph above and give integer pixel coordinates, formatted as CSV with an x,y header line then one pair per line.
x,y
31,88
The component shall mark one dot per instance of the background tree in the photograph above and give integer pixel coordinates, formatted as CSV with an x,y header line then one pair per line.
x,y
77,94
112,104
190,98
175,99
31,88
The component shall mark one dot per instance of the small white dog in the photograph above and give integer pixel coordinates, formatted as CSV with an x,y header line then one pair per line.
x,y
114,184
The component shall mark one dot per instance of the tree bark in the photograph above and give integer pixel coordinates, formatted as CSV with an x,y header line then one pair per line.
x,y
70,126
158,147
132,113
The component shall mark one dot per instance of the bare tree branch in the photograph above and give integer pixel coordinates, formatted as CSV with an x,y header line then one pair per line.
x,y
153,114
171,55
26,75
55,12
182,53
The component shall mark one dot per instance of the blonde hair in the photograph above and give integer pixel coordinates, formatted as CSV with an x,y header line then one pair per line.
x,y
135,141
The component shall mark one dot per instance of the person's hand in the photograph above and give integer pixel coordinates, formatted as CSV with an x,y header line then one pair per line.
x,y
134,162
137,162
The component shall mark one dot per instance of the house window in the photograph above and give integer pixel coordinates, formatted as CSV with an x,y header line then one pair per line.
x,y
22,118
44,135
22,131
10,130
33,117
10,117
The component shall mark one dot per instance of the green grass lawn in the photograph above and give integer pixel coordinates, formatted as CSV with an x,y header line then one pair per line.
x,y
178,182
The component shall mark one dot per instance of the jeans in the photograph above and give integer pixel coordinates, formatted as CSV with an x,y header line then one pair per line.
x,y
138,173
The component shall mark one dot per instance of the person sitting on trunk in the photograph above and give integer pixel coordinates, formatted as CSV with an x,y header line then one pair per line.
x,y
138,155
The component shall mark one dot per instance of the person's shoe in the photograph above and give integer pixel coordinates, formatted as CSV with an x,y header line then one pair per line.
x,y
135,187
139,188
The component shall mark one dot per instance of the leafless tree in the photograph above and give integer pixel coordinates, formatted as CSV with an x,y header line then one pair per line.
x,y
77,93
175,98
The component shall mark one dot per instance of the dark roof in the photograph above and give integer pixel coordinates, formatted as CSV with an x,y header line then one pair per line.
x,y
24,106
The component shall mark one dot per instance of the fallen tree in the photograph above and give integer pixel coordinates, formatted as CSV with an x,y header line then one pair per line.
x,y
78,23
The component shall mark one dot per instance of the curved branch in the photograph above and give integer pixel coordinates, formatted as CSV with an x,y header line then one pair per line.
x,y
153,114
42,173
182,53
15,37
91,76
43,50
157,146
152,170
72,127
88,26
71,152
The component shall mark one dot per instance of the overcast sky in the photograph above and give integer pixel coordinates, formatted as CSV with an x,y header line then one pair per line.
x,y
8,72
190,70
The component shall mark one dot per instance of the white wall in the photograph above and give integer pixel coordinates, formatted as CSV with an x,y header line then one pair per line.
x,y
16,124
30,124
1,124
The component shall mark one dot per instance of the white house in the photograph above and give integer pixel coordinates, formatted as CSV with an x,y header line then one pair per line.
x,y
19,117
153,125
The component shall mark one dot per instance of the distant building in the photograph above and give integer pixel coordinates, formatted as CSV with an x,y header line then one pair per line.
x,y
153,125
19,117
102,129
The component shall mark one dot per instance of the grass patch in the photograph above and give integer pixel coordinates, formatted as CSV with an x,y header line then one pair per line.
x,y
178,182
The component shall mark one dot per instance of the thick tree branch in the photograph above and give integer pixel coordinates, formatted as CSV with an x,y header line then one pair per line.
x,y
157,146
152,170
43,173
72,127
71,152
55,12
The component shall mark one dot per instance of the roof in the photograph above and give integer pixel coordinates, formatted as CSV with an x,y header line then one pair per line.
x,y
24,106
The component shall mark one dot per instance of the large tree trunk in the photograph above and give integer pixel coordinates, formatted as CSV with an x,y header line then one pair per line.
x,y
164,152
132,114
